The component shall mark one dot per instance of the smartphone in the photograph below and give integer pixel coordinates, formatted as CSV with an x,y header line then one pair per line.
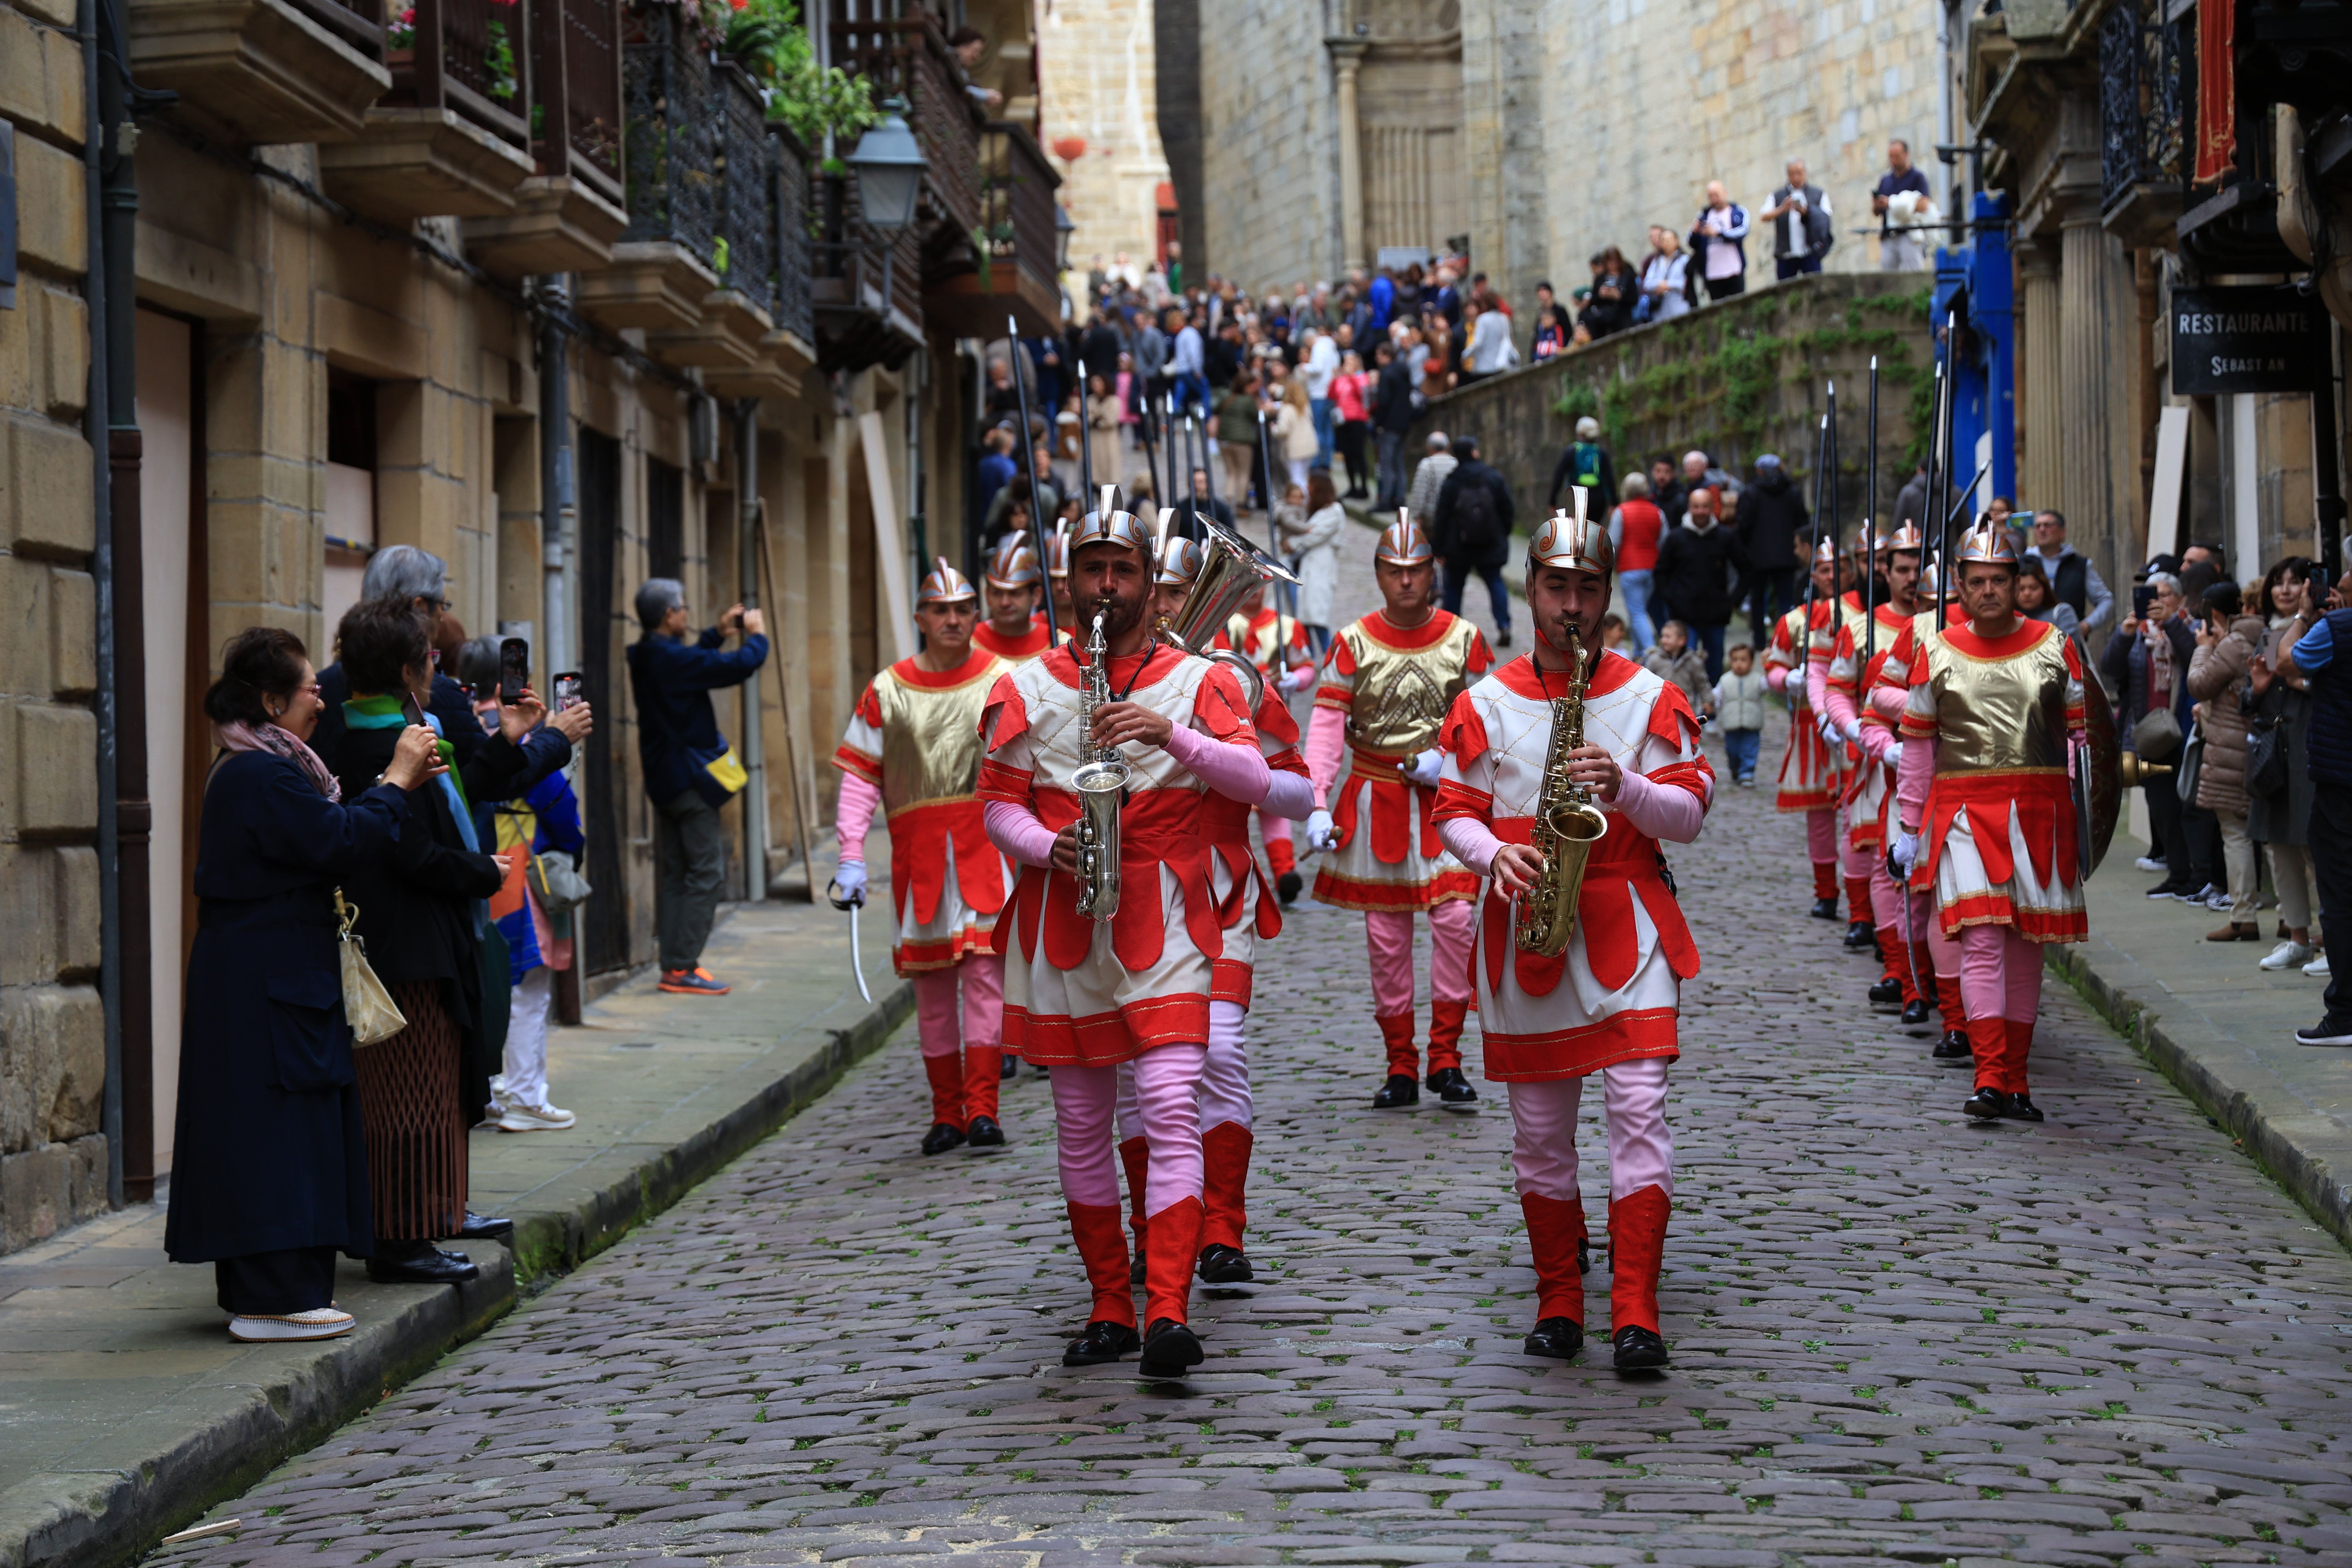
x,y
568,692
2142,597
514,669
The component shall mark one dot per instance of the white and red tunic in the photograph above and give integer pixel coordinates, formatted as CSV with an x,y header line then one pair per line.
x,y
1235,870
1389,688
1084,993
915,737
1275,643
1811,766
1013,650
1995,720
1870,790
1612,996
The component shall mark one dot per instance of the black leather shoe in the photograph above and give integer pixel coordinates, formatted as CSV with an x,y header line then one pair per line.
x,y
1397,1093
1101,1342
1986,1104
1008,1066
941,1138
1287,888
1953,1047
2023,1108
1450,1086
1859,935
1170,1350
1222,1265
1916,1010
1502,638
1138,1269
984,1133
1556,1338
1584,1255
485,1227
1887,992
1824,909
419,1263
1638,1349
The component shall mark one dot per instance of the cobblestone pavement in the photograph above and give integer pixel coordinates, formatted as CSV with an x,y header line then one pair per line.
x,y
1897,1337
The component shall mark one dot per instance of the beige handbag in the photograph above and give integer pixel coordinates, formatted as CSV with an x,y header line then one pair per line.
x,y
368,1008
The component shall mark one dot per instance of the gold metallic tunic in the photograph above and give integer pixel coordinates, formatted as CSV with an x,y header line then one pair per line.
x,y
930,735
1401,694
2006,712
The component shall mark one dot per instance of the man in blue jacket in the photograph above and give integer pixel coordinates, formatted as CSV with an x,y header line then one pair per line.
x,y
690,770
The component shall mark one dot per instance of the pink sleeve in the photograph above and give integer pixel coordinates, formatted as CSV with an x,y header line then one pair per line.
x,y
1018,833
1912,777
854,818
1886,701
1326,742
1667,812
1837,704
1817,678
1776,676
1470,841
1290,795
1236,772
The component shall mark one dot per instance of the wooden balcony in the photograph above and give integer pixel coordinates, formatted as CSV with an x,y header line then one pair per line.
x,y
908,59
665,262
865,312
568,214
452,138
256,71
1021,277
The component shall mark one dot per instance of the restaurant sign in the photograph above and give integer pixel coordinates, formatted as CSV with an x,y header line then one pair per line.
x,y
2246,340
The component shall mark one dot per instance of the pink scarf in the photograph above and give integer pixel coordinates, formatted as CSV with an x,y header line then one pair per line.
x,y
278,743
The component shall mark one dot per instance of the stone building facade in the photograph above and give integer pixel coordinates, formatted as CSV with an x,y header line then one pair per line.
x,y
1542,129
1098,78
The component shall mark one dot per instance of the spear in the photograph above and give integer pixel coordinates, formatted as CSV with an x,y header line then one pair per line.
x,y
1944,465
1199,431
1143,424
1929,511
1086,436
1037,498
1870,526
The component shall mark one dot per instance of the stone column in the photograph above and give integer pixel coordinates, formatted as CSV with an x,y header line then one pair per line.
x,y
2084,347
1346,60
2041,476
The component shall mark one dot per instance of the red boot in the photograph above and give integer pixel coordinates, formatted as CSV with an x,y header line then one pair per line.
x,y
1825,879
1857,897
1947,1002
1404,1051
983,1068
1637,1247
1281,856
1135,1153
1095,1227
1555,1227
946,1074
1891,962
1168,1277
2020,1035
1226,1157
1446,1019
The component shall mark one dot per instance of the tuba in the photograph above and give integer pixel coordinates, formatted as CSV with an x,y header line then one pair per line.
x,y
1567,827
1101,785
1232,569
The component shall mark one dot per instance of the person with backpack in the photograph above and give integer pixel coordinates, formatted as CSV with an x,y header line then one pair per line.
x,y
1473,532
1584,462
1803,231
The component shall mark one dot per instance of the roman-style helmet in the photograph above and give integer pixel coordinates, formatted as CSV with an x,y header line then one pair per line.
x,y
1573,541
1179,561
1906,538
1057,551
1111,523
1988,544
1013,565
1403,544
1825,553
943,585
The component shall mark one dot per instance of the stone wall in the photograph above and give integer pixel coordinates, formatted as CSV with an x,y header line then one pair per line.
x,y
1269,167
1733,380
53,1155
1097,79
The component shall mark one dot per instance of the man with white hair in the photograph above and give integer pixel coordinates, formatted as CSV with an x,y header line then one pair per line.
x,y
1428,479
1584,463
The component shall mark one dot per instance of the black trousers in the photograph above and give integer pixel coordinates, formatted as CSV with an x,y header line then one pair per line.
x,y
2330,839
276,1284
2202,831
2163,795
1771,590
1725,287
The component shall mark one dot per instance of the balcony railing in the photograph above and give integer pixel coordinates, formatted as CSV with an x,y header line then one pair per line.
x,y
909,59
359,22
576,83
2144,96
747,188
1016,193
792,260
463,56
673,132
866,312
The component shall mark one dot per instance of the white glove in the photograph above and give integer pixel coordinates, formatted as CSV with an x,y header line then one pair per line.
x,y
1829,729
1906,850
1320,833
850,877
1297,679
1425,769
1853,729
1893,755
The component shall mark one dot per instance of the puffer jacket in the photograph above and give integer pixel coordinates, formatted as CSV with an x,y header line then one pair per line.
x,y
2217,679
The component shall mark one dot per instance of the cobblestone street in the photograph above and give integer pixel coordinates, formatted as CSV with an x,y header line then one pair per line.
x,y
1897,1336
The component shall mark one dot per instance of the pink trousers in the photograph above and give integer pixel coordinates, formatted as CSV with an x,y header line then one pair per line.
x,y
1390,935
1225,1078
1821,836
1168,1109
981,979
2001,973
1640,1147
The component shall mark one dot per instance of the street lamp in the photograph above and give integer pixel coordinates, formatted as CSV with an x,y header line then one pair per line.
x,y
889,166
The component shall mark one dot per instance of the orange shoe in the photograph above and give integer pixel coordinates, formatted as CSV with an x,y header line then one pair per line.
x,y
692,982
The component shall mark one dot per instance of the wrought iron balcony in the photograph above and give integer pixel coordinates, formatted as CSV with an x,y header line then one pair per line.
x,y
745,251
1021,272
256,71
2147,86
866,292
909,59
672,132
576,77
793,308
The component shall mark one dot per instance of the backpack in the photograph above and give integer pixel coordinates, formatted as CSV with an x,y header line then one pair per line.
x,y
1474,526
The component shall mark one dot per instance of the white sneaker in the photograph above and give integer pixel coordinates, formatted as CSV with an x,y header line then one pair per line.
x,y
318,1324
2318,968
521,1118
2220,903
2287,954
2151,863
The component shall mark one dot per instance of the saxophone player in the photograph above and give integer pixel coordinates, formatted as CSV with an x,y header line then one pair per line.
x,y
1388,679
1117,966
1608,1003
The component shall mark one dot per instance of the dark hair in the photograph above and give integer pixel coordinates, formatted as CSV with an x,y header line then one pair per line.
x,y
379,641
1467,446
2224,600
1320,492
2298,566
964,36
259,661
478,662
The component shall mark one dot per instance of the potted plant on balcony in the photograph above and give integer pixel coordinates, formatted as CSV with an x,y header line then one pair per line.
x,y
767,39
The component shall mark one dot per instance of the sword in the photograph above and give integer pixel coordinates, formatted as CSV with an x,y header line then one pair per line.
x,y
856,958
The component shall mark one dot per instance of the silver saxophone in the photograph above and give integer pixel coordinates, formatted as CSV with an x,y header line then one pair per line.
x,y
1101,784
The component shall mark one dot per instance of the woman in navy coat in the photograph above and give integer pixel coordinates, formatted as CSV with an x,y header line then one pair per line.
x,y
269,1173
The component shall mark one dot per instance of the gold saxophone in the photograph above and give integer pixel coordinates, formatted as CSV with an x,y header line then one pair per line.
x,y
1567,827
1101,785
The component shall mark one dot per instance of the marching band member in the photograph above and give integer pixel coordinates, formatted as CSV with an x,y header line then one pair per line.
x,y
1809,769
1015,629
1843,614
1276,644
1870,795
1234,871
1992,729
913,749
1083,994
1936,957
1388,680
1607,1002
